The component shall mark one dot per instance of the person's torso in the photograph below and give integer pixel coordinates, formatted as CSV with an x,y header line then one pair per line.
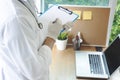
x,y
14,9
18,10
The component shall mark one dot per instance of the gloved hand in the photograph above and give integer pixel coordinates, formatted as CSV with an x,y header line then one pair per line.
x,y
55,27
68,26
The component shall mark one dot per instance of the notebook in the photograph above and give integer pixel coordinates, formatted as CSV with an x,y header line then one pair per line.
x,y
91,64
55,11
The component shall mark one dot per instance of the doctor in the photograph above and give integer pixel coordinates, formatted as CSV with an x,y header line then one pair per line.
x,y
25,46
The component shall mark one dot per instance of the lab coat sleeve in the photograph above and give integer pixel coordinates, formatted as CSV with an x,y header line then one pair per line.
x,y
45,52
30,62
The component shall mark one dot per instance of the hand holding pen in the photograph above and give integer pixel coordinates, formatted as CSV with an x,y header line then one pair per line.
x,y
56,27
67,27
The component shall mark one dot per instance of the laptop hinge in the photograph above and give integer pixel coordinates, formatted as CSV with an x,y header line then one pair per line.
x,y
99,49
105,64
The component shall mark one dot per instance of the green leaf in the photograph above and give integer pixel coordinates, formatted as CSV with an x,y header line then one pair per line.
x,y
63,36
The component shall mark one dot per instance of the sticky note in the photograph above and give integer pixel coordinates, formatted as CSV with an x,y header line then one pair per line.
x,y
78,13
87,15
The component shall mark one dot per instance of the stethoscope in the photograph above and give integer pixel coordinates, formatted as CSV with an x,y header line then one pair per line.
x,y
40,25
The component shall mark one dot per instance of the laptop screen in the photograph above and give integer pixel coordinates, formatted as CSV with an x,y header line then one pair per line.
x,y
112,54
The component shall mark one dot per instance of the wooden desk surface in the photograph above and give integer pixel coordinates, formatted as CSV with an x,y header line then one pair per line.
x,y
63,64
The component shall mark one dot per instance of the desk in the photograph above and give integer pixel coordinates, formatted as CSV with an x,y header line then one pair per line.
x,y
63,64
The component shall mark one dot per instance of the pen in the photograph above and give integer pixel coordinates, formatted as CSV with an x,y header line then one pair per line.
x,y
62,30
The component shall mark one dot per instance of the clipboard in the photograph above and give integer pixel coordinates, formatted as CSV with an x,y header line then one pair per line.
x,y
54,12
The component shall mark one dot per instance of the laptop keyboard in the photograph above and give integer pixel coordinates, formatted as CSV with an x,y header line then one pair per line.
x,y
95,64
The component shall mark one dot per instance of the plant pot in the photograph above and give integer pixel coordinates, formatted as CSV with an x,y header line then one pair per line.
x,y
61,44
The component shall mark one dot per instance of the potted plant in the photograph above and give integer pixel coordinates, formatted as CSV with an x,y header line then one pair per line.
x,y
61,41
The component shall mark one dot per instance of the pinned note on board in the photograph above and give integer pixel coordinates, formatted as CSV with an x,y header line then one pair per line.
x,y
87,15
78,13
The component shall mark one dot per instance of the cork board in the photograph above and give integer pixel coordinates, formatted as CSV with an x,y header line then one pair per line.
x,y
93,25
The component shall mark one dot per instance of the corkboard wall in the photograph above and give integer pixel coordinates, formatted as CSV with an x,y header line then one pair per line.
x,y
94,31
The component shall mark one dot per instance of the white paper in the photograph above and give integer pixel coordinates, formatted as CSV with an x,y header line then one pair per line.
x,y
54,12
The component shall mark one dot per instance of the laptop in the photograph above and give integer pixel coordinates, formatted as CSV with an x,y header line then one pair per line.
x,y
93,64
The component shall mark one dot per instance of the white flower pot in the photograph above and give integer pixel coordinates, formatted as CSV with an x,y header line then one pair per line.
x,y
61,44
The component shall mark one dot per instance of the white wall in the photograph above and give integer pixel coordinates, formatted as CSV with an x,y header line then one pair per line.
x,y
40,5
112,4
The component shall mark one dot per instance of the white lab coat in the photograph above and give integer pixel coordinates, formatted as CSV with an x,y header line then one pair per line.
x,y
22,55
